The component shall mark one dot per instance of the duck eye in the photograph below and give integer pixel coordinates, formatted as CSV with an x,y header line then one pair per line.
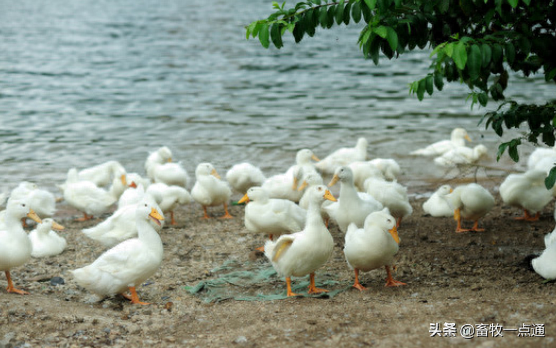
x,y
145,204
23,205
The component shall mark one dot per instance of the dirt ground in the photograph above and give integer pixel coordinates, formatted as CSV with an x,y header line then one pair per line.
x,y
465,278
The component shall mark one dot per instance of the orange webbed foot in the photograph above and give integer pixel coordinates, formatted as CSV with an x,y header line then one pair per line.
x,y
393,282
359,287
84,218
17,291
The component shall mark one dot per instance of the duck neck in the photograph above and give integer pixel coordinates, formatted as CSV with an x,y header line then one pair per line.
x,y
149,236
12,220
314,217
348,191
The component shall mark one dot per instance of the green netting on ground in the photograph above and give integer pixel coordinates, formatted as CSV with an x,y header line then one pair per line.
x,y
258,282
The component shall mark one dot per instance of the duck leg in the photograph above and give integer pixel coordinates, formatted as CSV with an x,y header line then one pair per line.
x,y
476,227
312,288
289,285
398,222
134,298
173,221
457,217
261,249
389,280
11,287
356,284
85,217
528,217
206,214
227,214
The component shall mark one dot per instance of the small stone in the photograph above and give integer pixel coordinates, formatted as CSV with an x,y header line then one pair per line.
x,y
55,281
240,339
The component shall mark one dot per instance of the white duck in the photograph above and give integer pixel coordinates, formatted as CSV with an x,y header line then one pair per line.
x,y
540,155
90,199
272,216
471,202
120,226
102,174
526,191
457,139
372,246
545,264
134,180
172,196
41,201
550,238
285,186
461,155
344,156
389,168
362,171
45,241
303,252
437,205
160,156
129,263
132,195
242,176
15,245
351,206
209,190
392,195
160,168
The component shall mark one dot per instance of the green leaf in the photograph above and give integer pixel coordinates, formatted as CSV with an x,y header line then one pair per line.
x,y
513,3
483,99
512,151
497,53
374,49
438,80
339,14
550,180
331,12
550,75
347,12
250,30
381,31
356,12
276,35
366,36
527,2
323,17
501,148
429,86
449,49
421,89
486,53
371,4
460,55
392,38
264,35
474,62
509,51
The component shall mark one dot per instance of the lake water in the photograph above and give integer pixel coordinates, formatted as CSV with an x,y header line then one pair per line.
x,y
83,82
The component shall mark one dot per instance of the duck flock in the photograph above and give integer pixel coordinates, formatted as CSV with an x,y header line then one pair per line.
x,y
293,209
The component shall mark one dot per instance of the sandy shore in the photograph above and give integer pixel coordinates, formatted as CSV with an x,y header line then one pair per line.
x,y
452,279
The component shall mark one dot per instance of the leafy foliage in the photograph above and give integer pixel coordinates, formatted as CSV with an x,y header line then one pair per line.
x,y
474,42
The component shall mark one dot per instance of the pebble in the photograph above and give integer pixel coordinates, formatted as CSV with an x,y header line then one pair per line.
x,y
240,339
55,281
